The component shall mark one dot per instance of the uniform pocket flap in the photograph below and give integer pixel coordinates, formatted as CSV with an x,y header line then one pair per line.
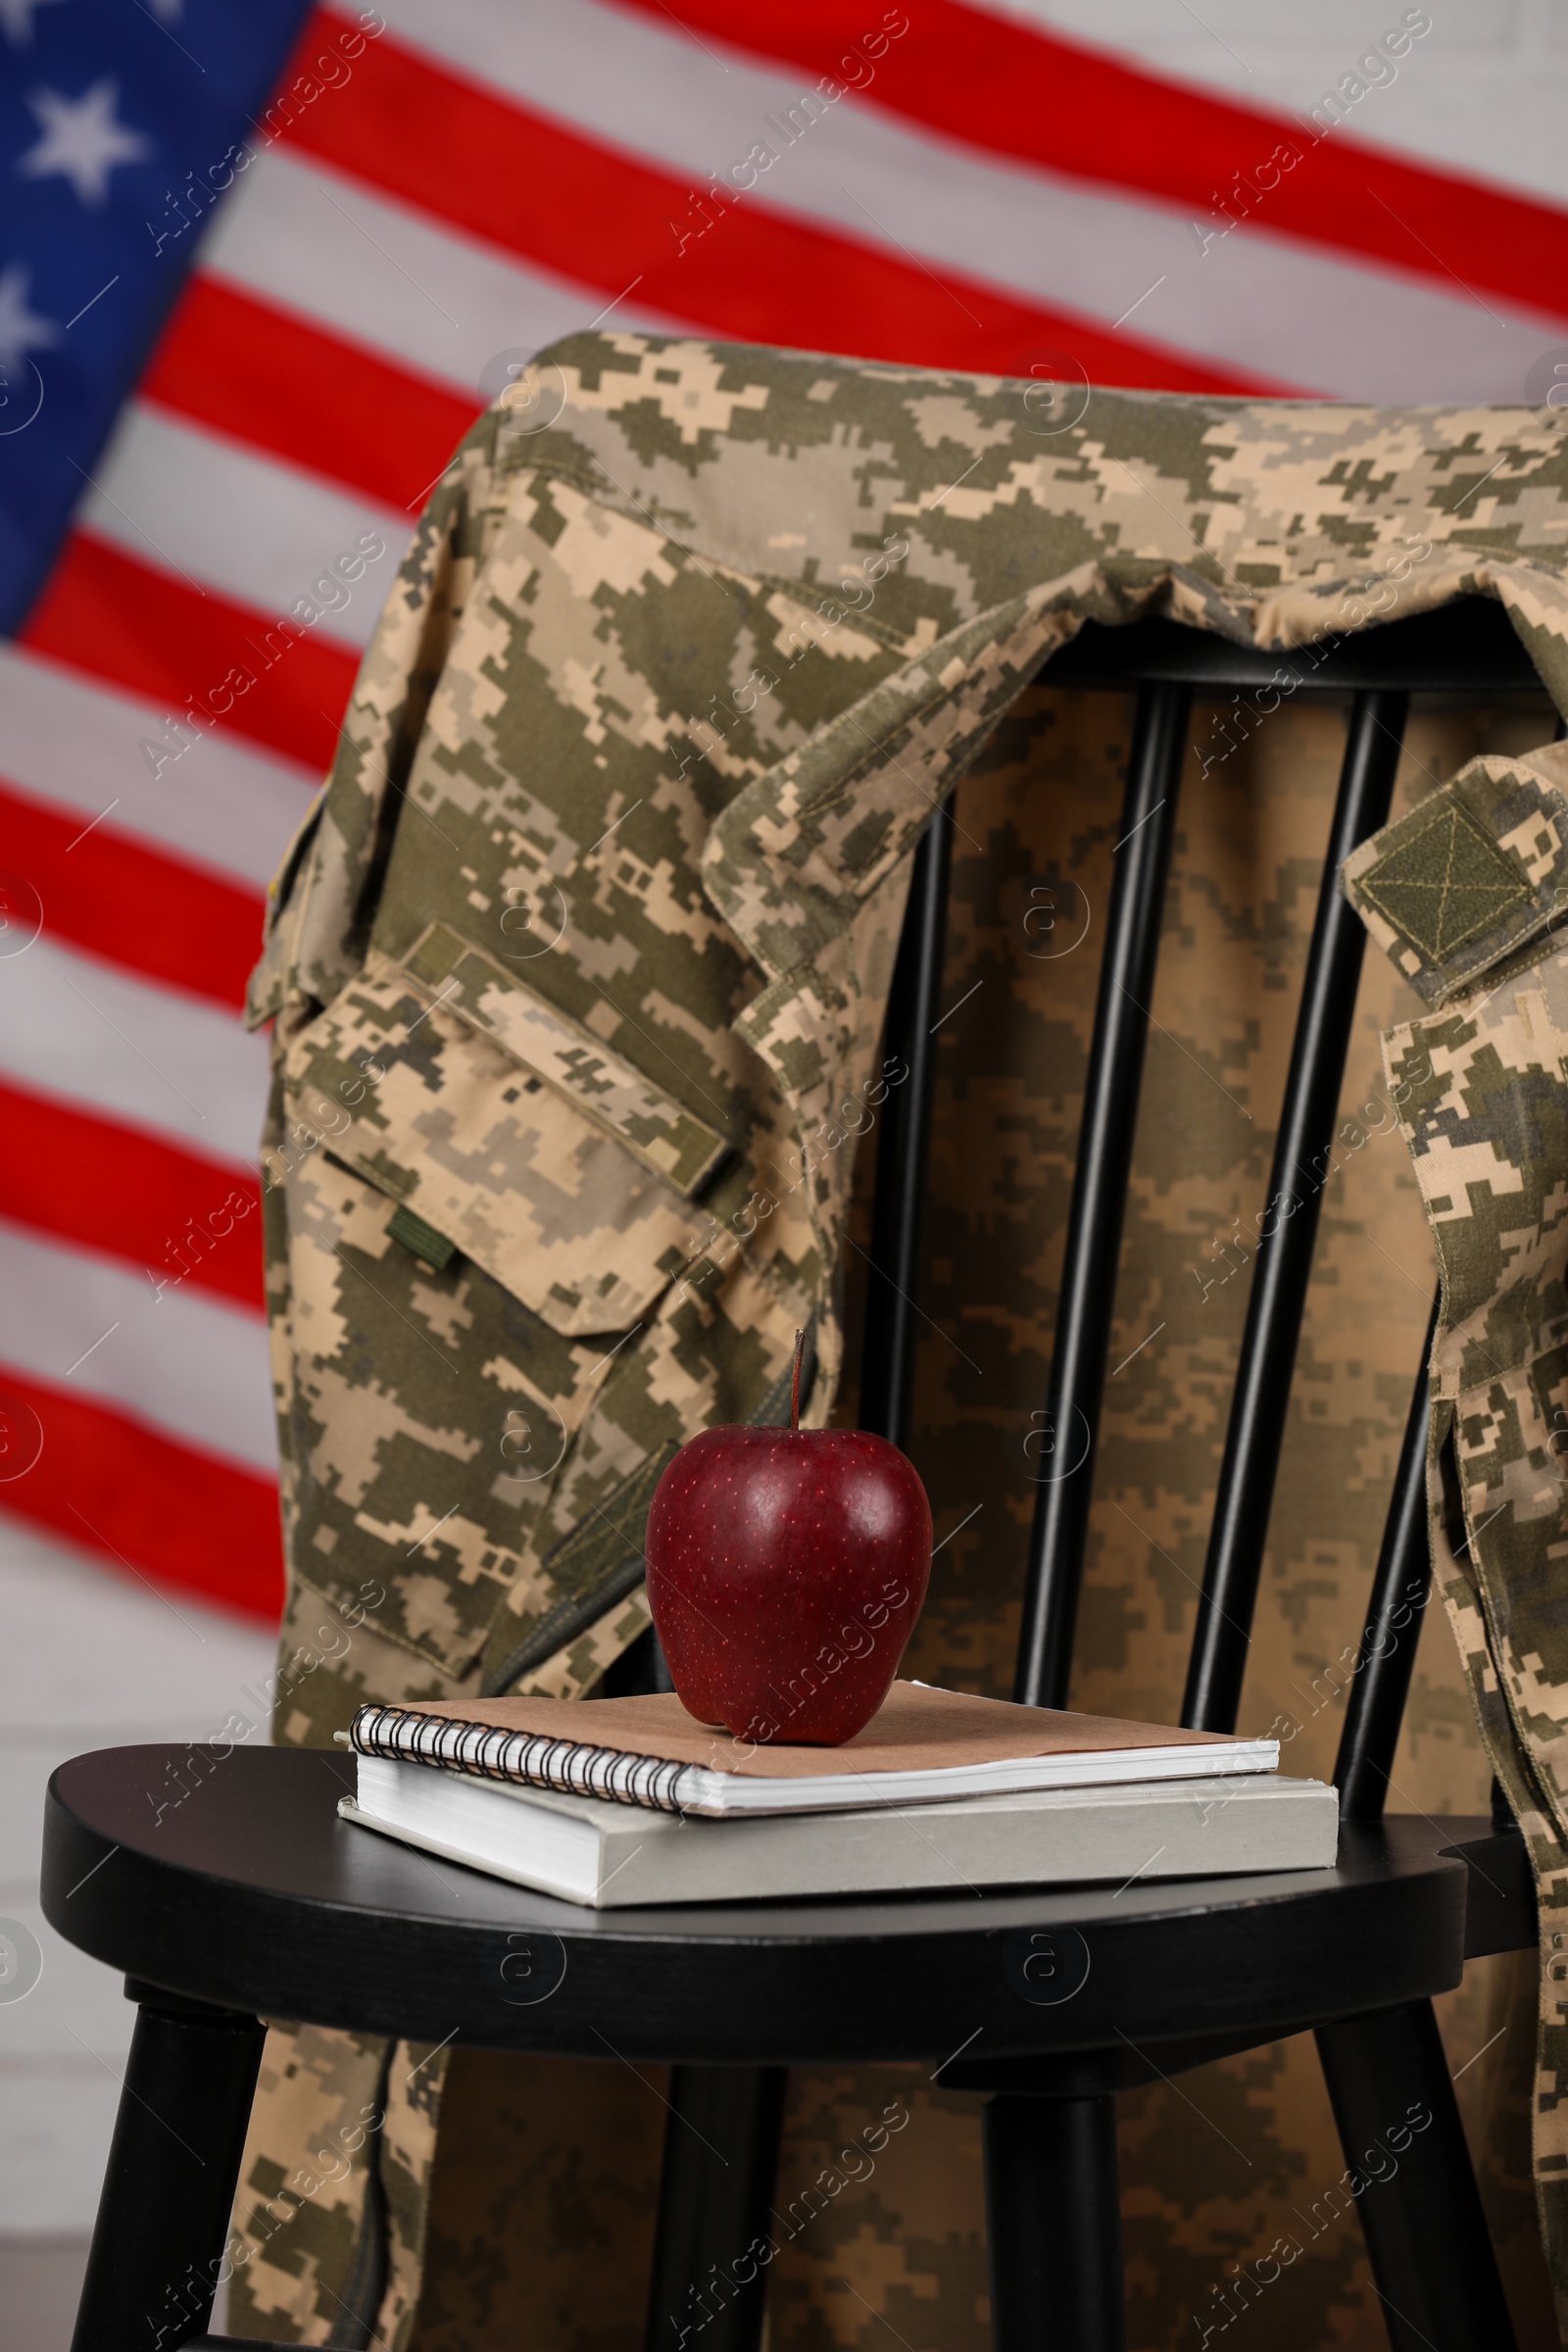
x,y
481,1151
665,1134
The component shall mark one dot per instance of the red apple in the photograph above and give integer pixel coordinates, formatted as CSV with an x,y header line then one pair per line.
x,y
786,1569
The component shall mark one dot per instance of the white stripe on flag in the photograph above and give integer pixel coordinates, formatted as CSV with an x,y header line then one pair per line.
x,y
1480,104
362,266
1307,317
185,1362
217,803
93,1035
224,517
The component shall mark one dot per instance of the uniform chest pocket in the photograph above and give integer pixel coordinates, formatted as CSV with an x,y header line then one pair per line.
x,y
505,1131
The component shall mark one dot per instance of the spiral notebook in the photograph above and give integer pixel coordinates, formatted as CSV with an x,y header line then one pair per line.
x,y
923,1747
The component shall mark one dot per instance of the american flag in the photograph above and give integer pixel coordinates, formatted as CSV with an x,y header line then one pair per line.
x,y
259,269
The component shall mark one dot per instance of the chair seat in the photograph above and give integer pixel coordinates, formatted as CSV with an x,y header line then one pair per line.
x,y
252,1894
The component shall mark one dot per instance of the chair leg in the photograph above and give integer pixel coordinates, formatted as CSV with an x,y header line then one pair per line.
x,y
715,2236
168,2194
1433,2262
1054,2224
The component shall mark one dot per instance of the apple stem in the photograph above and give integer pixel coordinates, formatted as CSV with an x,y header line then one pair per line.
x,y
795,1384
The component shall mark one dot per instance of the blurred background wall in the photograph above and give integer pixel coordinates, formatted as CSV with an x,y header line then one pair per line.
x,y
258,268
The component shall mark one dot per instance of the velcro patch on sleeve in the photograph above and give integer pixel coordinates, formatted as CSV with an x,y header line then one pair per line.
x,y
1444,884
1472,878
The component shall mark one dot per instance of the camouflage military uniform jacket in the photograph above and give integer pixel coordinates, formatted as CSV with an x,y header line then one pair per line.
x,y
578,969
1467,893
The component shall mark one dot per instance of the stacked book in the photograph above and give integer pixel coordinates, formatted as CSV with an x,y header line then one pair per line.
x,y
632,1800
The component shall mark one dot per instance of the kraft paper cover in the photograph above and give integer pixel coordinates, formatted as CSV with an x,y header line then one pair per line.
x,y
917,1729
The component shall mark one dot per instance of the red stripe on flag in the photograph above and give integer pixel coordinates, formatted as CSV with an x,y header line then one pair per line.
x,y
598,217
115,1486
269,379
105,613
87,1180
1011,90
127,902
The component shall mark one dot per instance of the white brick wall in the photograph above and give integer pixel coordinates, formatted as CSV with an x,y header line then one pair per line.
x,y
89,1659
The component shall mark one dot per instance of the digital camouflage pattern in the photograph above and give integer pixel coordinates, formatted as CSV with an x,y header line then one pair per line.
x,y
577,974
1467,893
1219,2166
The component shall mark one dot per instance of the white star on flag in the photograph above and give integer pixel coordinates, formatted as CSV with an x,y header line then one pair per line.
x,y
17,18
81,140
21,330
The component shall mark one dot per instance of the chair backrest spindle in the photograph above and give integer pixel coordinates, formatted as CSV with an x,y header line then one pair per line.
x,y
1379,1682
1468,647
1065,1453
887,1365
1302,1152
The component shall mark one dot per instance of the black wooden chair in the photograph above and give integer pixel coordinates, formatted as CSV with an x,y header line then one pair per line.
x,y
252,1898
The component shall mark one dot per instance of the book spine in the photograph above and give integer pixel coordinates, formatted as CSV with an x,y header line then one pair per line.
x,y
529,1758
